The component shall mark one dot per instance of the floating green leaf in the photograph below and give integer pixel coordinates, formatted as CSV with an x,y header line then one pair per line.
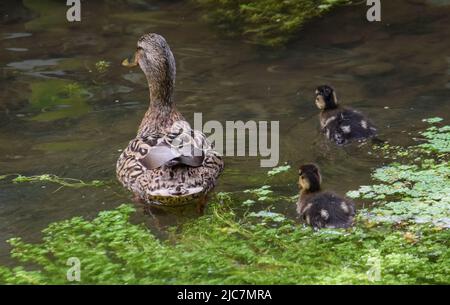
x,y
277,170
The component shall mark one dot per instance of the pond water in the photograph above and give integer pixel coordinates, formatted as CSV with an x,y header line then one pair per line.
x,y
62,112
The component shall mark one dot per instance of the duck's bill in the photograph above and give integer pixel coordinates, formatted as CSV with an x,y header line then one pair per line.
x,y
130,62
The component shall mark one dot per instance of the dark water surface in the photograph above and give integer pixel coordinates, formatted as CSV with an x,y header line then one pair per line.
x,y
61,114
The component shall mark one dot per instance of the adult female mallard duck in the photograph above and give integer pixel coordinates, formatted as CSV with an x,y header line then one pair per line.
x,y
168,162
318,208
341,125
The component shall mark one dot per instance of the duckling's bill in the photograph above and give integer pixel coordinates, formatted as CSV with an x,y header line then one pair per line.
x,y
131,61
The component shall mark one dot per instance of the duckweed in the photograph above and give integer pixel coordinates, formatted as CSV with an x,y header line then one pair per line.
x,y
417,191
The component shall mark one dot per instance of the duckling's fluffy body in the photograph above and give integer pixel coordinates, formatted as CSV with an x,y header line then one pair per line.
x,y
322,209
167,162
341,125
326,210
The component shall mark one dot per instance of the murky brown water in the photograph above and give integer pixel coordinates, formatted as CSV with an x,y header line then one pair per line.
x,y
59,115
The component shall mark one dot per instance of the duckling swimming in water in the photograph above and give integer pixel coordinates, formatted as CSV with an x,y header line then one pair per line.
x,y
318,208
341,125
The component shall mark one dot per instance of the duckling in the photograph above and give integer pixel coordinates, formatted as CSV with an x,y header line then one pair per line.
x,y
167,163
318,208
341,125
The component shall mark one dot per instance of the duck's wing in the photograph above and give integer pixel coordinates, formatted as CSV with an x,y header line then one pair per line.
x,y
181,145
159,155
147,166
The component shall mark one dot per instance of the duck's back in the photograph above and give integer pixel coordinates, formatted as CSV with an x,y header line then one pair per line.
x,y
159,167
326,210
344,125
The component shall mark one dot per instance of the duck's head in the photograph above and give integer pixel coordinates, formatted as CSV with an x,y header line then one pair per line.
x,y
309,178
154,57
326,98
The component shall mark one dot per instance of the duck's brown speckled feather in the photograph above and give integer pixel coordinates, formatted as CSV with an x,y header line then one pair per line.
x,y
178,183
174,182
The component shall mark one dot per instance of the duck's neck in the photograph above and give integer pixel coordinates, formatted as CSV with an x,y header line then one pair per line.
x,y
161,95
310,191
161,113
331,108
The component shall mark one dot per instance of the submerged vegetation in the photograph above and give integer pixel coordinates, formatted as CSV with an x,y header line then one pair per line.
x,y
403,239
64,182
55,99
265,22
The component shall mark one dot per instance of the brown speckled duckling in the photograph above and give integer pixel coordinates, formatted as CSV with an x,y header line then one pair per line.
x,y
318,208
341,125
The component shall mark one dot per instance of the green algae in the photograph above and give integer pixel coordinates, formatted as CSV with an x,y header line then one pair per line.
x,y
266,22
56,99
51,15
50,178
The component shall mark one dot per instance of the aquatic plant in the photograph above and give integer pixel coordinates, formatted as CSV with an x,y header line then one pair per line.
x,y
261,193
417,190
417,193
278,170
55,99
437,139
435,142
49,17
264,22
102,66
220,248
65,182
261,247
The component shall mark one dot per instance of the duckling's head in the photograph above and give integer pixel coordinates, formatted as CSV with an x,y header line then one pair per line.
x,y
309,178
154,57
326,98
